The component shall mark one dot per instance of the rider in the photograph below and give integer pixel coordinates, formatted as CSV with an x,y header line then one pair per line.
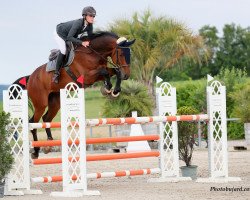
x,y
73,31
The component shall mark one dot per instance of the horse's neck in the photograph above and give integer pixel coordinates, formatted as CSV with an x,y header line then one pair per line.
x,y
102,45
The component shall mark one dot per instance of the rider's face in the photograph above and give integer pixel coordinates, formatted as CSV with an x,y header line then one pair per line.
x,y
90,18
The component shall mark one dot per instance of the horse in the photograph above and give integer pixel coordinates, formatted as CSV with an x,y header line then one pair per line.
x,y
92,64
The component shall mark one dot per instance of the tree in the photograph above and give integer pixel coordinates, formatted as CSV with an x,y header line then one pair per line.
x,y
160,44
234,48
212,40
192,70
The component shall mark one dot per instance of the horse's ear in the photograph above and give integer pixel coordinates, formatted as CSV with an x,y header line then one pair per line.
x,y
129,43
123,42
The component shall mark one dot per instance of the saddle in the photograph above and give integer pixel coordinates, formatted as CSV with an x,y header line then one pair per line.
x,y
70,54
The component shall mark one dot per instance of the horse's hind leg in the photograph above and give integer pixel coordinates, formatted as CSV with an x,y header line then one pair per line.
x,y
34,154
53,107
36,117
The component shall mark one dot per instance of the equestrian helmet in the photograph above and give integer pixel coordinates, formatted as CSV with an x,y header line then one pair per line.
x,y
89,10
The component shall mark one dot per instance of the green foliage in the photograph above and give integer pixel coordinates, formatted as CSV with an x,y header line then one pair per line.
x,y
235,80
232,49
1,106
186,135
210,35
235,130
5,148
192,93
176,74
134,97
231,78
241,99
161,42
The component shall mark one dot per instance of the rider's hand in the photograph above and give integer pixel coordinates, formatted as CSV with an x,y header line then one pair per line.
x,y
85,43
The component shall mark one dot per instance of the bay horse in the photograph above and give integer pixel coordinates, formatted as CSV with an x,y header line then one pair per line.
x,y
92,63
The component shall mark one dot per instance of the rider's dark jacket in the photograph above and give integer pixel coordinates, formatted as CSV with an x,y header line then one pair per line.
x,y
74,30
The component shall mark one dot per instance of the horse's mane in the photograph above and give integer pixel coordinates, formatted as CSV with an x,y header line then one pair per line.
x,y
103,33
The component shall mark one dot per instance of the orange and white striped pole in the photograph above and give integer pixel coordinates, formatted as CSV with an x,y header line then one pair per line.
x,y
49,179
122,121
52,143
46,161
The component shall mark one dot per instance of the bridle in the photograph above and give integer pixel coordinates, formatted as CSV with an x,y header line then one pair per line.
x,y
115,66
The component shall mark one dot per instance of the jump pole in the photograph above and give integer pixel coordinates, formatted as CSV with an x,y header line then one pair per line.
x,y
49,179
124,120
52,143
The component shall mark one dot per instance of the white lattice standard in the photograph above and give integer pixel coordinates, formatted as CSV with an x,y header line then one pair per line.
x,y
218,156
16,103
73,156
169,154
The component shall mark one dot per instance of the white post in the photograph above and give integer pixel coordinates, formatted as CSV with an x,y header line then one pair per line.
x,y
217,138
15,102
168,143
73,114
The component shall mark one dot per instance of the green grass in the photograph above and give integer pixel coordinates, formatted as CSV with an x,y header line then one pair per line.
x,y
93,103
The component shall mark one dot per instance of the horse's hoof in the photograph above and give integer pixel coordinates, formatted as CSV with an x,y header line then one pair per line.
x,y
34,156
105,91
46,150
115,95
108,91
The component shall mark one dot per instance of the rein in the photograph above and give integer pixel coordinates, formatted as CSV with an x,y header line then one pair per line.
x,y
115,66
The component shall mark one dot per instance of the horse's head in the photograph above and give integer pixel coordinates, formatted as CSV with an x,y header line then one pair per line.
x,y
118,49
105,45
121,57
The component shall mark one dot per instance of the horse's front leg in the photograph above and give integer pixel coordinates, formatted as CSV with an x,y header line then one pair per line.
x,y
107,83
117,89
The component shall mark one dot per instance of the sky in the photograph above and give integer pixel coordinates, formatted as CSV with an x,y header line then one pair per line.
x,y
27,26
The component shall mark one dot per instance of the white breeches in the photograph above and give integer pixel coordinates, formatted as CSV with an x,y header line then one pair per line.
x,y
61,43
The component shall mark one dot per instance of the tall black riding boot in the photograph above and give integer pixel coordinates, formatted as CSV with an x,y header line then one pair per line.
x,y
59,63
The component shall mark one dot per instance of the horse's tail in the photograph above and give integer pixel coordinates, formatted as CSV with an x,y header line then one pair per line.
x,y
20,83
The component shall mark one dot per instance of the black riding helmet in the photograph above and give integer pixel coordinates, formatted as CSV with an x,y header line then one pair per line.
x,y
89,10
